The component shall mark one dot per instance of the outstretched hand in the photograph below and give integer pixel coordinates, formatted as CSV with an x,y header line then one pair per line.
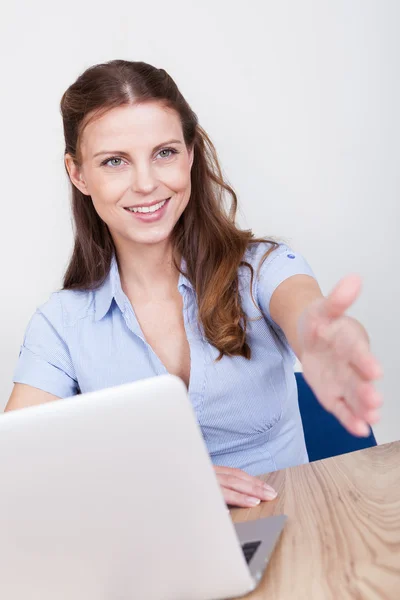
x,y
337,361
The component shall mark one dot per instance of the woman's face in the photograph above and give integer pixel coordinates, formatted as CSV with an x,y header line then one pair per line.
x,y
136,168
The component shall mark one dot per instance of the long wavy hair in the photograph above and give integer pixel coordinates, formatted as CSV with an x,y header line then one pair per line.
x,y
205,235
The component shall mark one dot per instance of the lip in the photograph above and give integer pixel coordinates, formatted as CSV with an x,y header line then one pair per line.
x,y
150,217
147,205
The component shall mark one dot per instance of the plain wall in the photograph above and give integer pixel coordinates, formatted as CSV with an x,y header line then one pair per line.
x,y
300,98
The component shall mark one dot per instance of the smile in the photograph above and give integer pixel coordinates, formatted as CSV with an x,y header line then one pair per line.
x,y
147,209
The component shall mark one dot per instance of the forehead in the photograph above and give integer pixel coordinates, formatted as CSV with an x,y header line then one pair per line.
x,y
140,126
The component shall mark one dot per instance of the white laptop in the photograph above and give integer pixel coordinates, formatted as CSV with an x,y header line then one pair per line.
x,y
111,495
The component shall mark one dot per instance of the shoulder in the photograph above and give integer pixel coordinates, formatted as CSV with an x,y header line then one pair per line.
x,y
271,265
65,307
256,252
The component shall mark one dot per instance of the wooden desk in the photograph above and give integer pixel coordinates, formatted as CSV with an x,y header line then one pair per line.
x,y
342,537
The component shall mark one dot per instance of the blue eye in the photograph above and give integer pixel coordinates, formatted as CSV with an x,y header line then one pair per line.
x,y
105,162
171,150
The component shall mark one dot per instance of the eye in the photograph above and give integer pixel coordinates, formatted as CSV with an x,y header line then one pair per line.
x,y
105,162
171,150
165,152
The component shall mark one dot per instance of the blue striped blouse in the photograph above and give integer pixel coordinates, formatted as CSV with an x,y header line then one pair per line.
x,y
80,341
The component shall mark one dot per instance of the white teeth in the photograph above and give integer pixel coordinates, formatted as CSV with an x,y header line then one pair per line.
x,y
148,209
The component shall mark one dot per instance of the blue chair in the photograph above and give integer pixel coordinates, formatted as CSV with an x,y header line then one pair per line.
x,y
323,433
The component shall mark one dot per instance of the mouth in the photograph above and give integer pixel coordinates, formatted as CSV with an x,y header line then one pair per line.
x,y
148,209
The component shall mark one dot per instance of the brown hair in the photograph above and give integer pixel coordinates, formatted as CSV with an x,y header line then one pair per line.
x,y
205,235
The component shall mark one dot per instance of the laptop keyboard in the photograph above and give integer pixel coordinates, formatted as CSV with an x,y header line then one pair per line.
x,y
249,550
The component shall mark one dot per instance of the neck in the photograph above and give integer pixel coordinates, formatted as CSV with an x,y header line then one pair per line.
x,y
147,270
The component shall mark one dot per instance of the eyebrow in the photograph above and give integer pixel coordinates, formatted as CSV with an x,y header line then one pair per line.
x,y
122,153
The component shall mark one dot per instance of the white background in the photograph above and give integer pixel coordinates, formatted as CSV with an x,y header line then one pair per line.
x,y
301,99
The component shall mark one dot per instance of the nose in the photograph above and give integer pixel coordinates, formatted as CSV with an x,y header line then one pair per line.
x,y
144,180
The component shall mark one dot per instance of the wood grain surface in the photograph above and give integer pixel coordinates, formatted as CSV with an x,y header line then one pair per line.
x,y
342,537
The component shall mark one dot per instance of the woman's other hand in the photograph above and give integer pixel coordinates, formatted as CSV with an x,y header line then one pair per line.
x,y
241,489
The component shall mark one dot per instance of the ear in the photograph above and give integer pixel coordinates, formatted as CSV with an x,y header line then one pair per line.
x,y
75,174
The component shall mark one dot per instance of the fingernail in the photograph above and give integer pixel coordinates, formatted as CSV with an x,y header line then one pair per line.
x,y
270,494
268,488
253,501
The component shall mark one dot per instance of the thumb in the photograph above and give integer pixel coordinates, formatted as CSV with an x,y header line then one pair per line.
x,y
343,295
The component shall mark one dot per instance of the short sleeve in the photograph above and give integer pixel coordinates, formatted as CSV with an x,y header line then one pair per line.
x,y
44,361
281,263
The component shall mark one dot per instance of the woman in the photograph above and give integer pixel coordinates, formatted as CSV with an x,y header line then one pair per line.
x,y
161,280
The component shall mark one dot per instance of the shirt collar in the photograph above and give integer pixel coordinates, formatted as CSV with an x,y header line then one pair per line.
x,y
183,281
111,289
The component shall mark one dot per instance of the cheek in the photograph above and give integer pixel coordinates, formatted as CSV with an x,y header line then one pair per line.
x,y
108,189
104,198
178,179
105,193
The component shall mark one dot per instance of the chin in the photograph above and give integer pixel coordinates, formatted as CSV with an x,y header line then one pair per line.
x,y
151,238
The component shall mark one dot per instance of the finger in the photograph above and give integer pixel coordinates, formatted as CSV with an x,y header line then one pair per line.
x,y
233,471
255,489
233,498
360,395
373,417
345,416
351,345
241,475
362,359
341,297
363,397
